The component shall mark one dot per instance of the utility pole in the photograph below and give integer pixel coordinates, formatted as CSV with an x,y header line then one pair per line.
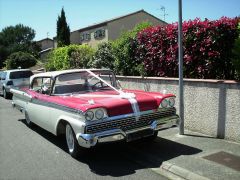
x,y
180,69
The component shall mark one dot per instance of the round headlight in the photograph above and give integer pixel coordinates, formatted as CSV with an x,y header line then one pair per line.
x,y
89,115
99,114
171,102
164,103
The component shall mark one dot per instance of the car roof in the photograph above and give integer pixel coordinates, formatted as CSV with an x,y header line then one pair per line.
x,y
53,74
15,70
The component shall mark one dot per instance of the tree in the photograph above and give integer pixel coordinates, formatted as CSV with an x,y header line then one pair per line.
x,y
17,38
63,30
20,59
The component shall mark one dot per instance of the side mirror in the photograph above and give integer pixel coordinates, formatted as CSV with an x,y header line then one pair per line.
x,y
119,84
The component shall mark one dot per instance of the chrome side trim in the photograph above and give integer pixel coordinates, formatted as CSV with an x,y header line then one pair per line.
x,y
56,106
46,103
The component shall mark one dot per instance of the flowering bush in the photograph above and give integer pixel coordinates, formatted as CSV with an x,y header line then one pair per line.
x,y
207,49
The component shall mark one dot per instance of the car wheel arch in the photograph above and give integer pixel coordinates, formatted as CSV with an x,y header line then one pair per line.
x,y
76,124
61,127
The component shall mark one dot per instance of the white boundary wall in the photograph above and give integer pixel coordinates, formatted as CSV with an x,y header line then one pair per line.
x,y
211,106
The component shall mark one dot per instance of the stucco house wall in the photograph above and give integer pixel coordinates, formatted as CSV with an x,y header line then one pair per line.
x,y
113,28
45,43
93,41
75,37
129,22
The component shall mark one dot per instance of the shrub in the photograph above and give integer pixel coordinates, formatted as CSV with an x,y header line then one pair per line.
x,y
104,56
236,54
207,49
72,56
20,59
124,50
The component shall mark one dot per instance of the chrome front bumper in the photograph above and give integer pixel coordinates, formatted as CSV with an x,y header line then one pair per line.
x,y
89,140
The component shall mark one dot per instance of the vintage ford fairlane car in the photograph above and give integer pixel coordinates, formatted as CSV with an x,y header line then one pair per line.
x,y
89,107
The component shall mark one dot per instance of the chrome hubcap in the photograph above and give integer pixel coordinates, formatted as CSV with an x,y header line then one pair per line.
x,y
69,138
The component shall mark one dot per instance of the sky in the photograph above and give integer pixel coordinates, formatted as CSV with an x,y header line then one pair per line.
x,y
41,15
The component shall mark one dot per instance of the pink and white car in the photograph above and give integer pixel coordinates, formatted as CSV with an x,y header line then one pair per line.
x,y
89,107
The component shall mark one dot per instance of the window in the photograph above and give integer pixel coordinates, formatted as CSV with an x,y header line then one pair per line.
x,y
4,75
42,85
20,74
82,82
88,36
82,37
100,33
85,37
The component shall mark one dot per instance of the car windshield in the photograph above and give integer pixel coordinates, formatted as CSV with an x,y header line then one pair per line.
x,y
20,74
81,82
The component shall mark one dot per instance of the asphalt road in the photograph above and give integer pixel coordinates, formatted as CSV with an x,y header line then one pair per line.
x,y
36,154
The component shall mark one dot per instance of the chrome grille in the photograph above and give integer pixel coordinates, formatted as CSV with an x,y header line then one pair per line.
x,y
130,122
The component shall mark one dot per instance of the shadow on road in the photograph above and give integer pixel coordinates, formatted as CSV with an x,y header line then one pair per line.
x,y
119,159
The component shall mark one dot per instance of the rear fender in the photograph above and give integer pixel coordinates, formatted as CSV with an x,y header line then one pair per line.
x,y
20,98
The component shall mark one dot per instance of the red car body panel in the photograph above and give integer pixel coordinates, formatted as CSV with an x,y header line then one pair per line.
x,y
114,105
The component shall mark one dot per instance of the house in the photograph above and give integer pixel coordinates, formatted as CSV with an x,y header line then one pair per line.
x,y
46,45
111,29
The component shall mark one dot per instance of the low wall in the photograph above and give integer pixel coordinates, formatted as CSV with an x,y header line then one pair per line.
x,y
211,106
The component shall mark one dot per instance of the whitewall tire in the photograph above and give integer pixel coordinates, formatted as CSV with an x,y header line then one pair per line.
x,y
72,144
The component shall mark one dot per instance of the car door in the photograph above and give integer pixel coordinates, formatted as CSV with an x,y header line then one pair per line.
x,y
38,108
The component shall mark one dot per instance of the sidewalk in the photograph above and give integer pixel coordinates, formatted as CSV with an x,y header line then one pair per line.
x,y
188,156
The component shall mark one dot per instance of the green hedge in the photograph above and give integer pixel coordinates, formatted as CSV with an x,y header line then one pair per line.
x,y
70,57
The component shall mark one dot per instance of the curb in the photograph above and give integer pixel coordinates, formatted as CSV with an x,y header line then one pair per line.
x,y
168,169
172,171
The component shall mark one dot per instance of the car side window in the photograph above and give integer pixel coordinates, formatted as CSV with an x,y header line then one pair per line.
x,y
42,85
3,76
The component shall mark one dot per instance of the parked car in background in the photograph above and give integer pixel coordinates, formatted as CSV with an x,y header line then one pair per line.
x,y
89,108
16,78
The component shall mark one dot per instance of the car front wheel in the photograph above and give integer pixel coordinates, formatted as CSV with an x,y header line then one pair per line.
x,y
73,146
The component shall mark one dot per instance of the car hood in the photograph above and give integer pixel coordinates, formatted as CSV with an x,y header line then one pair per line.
x,y
110,100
